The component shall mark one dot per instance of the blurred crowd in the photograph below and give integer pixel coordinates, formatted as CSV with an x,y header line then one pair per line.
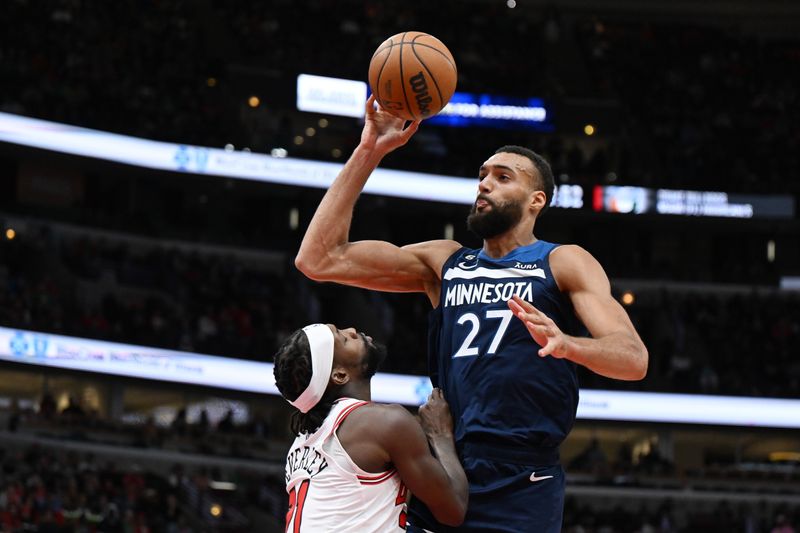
x,y
41,490
716,106
156,296
742,344
735,343
700,107
675,517
44,489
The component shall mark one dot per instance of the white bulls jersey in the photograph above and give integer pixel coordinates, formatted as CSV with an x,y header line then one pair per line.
x,y
329,492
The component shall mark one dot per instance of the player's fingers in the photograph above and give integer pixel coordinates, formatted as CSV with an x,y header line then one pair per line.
x,y
516,308
527,306
521,313
370,105
410,130
547,349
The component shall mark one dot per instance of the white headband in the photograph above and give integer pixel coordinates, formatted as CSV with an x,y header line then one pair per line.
x,y
320,338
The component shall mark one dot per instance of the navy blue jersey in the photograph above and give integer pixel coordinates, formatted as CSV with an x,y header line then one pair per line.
x,y
501,392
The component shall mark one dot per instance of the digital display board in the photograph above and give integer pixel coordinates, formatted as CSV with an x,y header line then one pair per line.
x,y
487,110
334,96
640,200
397,183
101,357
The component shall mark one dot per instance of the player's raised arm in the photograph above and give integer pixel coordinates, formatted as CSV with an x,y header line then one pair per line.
x,y
326,254
440,481
615,349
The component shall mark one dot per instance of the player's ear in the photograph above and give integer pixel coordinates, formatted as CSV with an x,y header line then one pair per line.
x,y
339,376
538,201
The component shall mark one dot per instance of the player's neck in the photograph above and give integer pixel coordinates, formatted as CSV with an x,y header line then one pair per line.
x,y
359,390
507,242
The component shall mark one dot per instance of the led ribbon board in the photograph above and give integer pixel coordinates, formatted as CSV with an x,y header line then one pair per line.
x,y
100,357
486,110
397,183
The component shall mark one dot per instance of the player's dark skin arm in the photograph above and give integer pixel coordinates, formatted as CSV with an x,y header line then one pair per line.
x,y
378,436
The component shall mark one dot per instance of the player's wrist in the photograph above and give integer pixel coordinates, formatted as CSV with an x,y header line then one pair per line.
x,y
443,439
570,349
369,153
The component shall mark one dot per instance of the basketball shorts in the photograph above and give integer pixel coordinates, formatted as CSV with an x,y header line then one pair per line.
x,y
508,492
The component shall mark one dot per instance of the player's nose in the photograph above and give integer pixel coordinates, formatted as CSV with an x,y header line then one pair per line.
x,y
351,332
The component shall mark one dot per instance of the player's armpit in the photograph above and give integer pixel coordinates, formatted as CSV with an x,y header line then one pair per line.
x,y
615,350
444,492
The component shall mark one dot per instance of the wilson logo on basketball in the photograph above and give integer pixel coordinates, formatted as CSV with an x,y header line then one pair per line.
x,y
420,87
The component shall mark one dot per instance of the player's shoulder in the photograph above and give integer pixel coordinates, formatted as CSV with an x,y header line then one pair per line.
x,y
434,253
384,417
569,252
574,267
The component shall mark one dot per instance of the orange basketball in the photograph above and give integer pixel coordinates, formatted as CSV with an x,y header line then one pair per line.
x,y
412,75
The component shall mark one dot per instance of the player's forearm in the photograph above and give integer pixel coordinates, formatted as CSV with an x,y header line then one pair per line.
x,y
616,356
444,449
330,226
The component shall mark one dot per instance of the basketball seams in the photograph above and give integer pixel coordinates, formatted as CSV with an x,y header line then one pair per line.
x,y
445,56
379,50
421,62
435,50
403,80
380,72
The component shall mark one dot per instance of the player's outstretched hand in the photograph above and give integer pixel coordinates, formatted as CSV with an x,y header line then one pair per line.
x,y
435,417
541,327
383,131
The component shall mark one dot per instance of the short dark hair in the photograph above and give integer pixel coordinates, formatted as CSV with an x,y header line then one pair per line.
x,y
292,373
540,164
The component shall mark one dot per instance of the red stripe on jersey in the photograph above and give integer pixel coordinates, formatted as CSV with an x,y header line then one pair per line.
x,y
345,413
377,479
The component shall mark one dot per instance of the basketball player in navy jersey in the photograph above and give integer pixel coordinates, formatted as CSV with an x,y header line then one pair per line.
x,y
506,332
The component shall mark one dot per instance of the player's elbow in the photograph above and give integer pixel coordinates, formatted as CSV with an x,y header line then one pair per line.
x,y
641,364
310,266
453,509
452,514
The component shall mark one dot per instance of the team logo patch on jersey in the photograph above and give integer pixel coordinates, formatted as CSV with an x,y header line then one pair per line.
x,y
469,263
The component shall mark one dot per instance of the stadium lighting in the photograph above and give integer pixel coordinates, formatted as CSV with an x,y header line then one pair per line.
x,y
10,234
310,132
628,298
588,130
254,101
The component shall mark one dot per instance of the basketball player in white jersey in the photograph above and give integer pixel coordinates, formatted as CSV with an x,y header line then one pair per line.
x,y
354,462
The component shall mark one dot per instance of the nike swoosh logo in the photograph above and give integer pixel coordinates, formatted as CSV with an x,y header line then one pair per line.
x,y
534,478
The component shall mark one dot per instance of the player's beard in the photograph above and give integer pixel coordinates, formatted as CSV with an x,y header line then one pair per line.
x,y
376,354
495,221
